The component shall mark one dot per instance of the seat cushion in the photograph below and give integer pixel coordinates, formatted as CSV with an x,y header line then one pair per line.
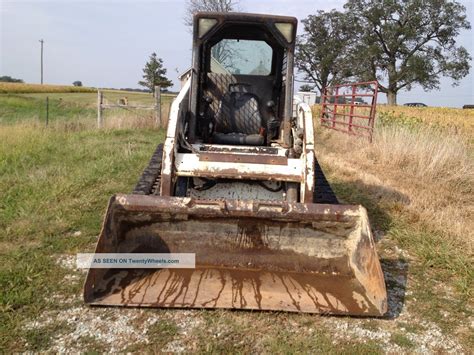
x,y
238,139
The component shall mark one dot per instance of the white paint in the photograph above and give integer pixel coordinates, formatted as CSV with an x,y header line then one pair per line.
x,y
188,164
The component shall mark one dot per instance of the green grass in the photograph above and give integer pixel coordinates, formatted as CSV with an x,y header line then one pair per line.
x,y
226,332
26,108
320,342
72,108
159,334
53,183
401,340
39,339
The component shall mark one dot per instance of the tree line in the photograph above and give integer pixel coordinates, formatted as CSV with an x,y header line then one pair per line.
x,y
398,43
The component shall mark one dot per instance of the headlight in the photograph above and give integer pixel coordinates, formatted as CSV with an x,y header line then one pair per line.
x,y
205,24
286,29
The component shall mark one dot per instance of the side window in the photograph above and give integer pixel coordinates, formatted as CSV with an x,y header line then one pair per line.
x,y
246,57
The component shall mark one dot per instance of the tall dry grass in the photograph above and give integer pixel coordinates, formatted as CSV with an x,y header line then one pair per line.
x,y
432,168
123,118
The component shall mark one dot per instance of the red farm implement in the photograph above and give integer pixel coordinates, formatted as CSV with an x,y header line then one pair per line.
x,y
350,108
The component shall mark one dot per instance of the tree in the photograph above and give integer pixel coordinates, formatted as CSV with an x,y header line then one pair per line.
x,y
220,51
77,83
322,50
154,74
9,79
403,43
306,88
193,6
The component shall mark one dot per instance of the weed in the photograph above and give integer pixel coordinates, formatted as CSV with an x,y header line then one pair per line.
x,y
401,340
38,339
92,345
162,332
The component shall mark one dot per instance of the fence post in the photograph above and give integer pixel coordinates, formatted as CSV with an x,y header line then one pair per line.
x,y
158,122
100,97
372,110
334,114
47,110
351,113
323,105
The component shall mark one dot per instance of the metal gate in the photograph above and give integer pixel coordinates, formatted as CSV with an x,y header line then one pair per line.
x,y
350,108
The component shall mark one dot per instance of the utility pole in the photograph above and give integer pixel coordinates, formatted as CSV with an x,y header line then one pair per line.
x,y
41,41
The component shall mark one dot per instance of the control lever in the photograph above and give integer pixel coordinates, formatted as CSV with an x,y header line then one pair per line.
x,y
207,122
273,123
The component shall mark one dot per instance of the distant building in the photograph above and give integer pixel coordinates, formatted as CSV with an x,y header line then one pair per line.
x,y
311,98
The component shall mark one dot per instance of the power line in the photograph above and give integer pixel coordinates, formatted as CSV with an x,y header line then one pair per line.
x,y
41,41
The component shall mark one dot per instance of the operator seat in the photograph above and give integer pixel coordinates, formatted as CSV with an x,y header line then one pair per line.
x,y
237,117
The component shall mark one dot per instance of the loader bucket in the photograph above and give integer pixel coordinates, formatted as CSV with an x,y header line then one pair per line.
x,y
259,255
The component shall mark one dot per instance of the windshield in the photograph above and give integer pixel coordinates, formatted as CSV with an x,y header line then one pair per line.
x,y
246,57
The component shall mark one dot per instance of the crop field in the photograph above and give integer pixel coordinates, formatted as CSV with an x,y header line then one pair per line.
x,y
37,88
416,180
454,120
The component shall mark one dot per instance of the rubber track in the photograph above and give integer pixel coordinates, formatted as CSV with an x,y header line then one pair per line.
x,y
323,193
148,181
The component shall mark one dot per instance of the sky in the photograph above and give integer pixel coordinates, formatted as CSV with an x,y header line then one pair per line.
x,y
105,43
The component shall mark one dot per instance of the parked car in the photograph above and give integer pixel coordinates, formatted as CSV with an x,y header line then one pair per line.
x,y
415,104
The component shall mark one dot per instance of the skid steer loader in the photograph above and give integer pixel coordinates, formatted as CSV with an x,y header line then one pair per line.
x,y
236,182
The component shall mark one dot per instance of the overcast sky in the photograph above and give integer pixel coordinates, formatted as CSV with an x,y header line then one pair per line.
x,y
105,43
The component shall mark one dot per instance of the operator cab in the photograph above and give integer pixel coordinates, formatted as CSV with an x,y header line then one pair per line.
x,y
242,74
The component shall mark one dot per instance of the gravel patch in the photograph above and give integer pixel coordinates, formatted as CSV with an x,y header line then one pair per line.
x,y
115,329
68,261
111,329
429,340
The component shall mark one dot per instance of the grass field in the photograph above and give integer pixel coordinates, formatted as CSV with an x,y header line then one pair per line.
x,y
415,180
79,110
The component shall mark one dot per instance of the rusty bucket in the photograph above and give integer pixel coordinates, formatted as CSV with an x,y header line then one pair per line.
x,y
256,255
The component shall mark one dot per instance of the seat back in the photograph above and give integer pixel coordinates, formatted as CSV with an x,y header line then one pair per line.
x,y
237,102
239,113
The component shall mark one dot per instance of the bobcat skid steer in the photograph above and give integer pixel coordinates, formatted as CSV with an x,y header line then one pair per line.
x,y
236,182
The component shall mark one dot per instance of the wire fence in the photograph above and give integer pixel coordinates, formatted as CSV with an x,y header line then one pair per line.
x,y
133,111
